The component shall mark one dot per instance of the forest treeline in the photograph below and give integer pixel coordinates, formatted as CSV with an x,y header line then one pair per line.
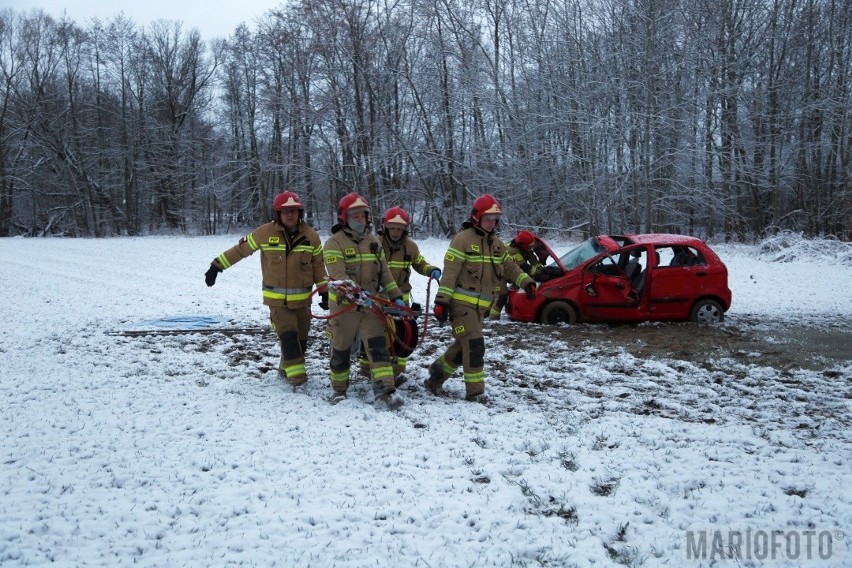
x,y
725,119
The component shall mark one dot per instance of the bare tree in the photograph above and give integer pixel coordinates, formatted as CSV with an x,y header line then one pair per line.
x,y
180,79
724,119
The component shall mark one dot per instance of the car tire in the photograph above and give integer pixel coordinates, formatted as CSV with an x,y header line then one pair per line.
x,y
558,312
707,311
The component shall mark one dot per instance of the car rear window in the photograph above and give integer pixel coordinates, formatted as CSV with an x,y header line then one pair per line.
x,y
679,255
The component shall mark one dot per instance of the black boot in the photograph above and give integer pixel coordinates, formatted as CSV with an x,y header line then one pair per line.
x,y
386,394
481,398
435,380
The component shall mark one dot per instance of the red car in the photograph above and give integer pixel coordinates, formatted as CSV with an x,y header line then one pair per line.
x,y
627,278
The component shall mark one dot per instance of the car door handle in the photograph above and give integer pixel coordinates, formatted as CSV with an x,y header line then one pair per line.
x,y
702,273
620,286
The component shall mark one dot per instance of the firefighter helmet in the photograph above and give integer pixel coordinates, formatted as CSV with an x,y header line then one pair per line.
x,y
349,202
484,205
524,240
286,200
396,215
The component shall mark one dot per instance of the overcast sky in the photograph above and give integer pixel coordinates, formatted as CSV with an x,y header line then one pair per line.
x,y
213,18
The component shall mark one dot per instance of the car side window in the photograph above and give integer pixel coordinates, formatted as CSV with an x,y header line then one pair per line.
x,y
606,266
666,256
686,256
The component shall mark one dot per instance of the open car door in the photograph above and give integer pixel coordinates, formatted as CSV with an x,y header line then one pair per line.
x,y
612,286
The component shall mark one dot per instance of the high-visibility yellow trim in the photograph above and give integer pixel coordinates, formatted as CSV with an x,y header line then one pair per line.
x,y
366,257
304,248
223,260
331,256
294,371
455,254
288,294
472,298
475,377
445,366
339,376
378,373
251,242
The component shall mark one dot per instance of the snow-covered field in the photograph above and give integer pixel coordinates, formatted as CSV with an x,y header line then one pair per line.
x,y
188,450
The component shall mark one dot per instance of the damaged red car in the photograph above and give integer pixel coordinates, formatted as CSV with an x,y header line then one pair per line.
x,y
627,278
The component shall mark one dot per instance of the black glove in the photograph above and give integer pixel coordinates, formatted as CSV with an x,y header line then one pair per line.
x,y
530,290
211,274
441,312
324,301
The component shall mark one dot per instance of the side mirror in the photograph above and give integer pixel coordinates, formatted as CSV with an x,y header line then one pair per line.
x,y
590,290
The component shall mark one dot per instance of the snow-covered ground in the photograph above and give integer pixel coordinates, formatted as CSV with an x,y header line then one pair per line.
x,y
188,450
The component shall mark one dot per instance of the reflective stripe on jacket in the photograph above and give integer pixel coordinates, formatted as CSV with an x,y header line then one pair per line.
x,y
290,265
402,257
526,259
474,266
360,259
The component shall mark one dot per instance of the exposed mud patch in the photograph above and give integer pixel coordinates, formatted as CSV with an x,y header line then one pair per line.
x,y
777,345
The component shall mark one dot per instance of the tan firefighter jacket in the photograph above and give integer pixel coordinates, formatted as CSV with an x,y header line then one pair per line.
x,y
402,256
526,259
474,266
290,265
360,259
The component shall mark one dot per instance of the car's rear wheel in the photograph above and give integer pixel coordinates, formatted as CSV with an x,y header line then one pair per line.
x,y
707,311
558,312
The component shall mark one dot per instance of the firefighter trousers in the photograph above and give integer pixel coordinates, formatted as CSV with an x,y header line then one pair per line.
x,y
344,330
291,326
467,349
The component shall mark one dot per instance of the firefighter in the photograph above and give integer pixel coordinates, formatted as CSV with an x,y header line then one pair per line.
x,y
474,265
522,249
291,264
402,255
354,253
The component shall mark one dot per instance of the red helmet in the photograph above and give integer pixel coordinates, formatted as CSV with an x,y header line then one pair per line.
x,y
485,205
396,215
524,240
286,200
348,202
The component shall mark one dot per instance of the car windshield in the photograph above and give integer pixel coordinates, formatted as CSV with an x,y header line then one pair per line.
x,y
581,253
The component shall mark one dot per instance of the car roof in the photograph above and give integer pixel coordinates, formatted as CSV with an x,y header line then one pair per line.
x,y
658,239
